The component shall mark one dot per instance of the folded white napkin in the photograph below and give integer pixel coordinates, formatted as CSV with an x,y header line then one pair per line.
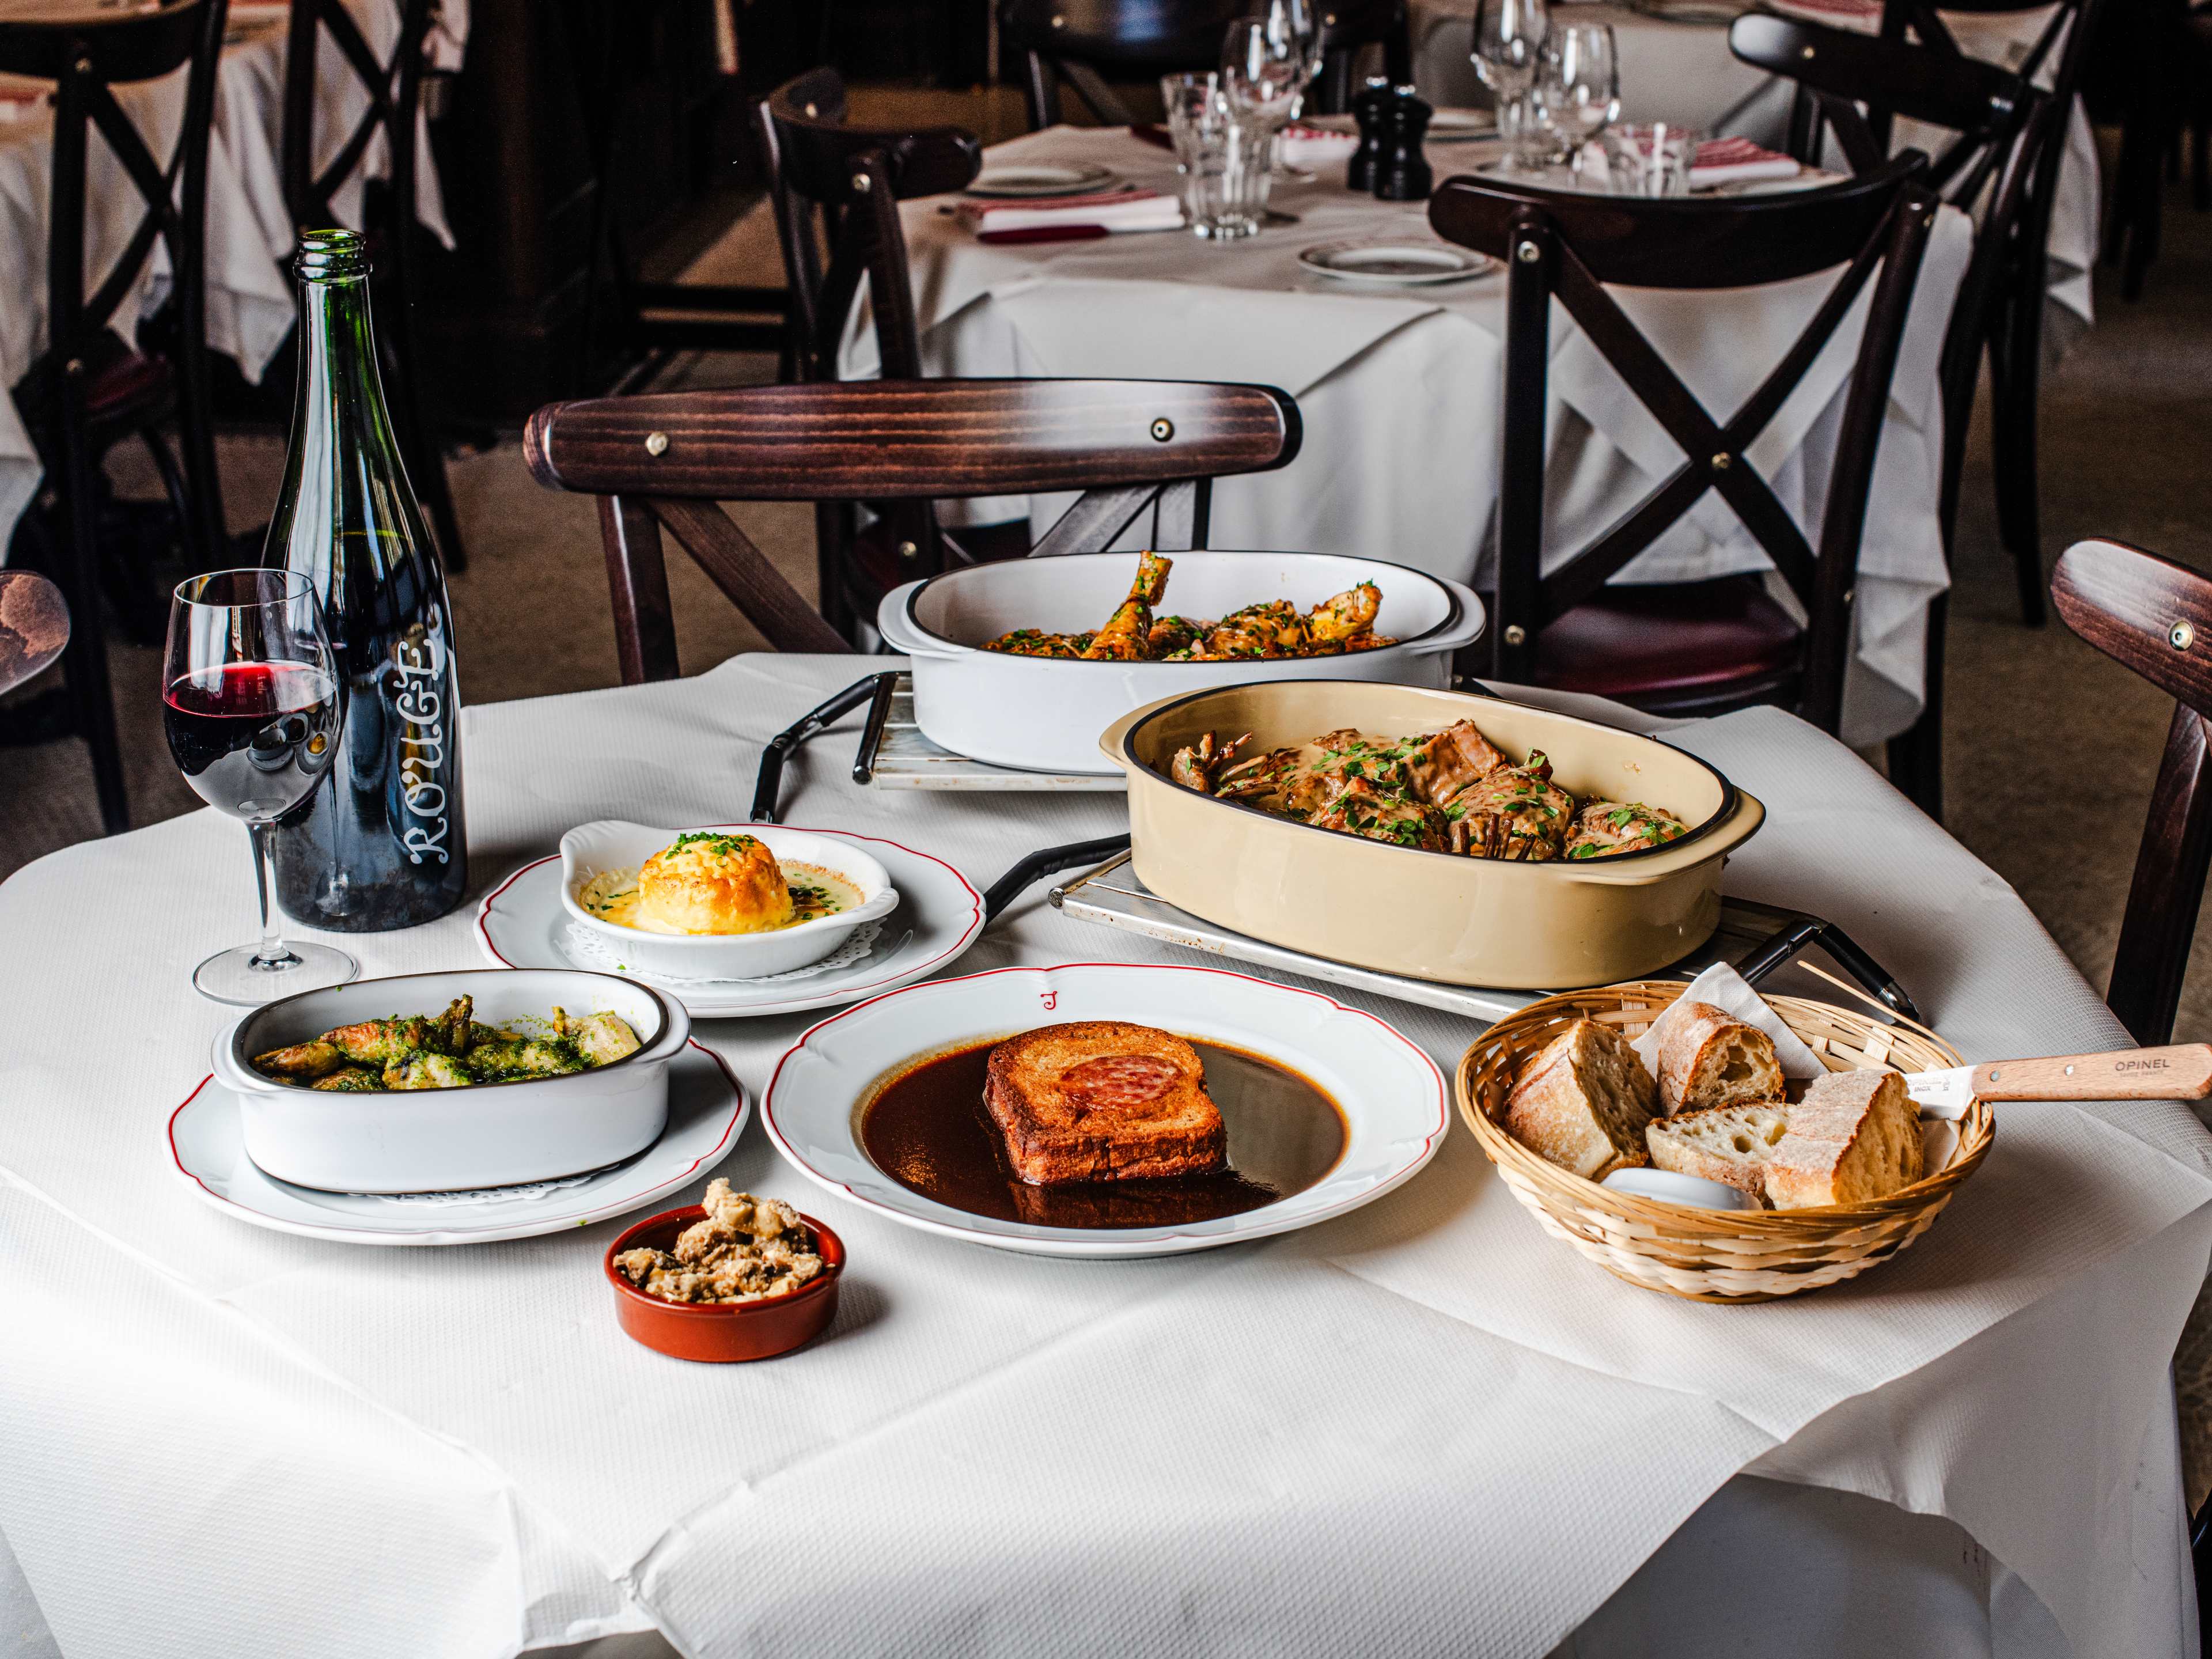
x,y
1109,209
1316,147
1727,990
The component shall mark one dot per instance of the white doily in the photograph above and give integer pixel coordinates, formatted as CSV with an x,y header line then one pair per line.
x,y
526,1191
588,950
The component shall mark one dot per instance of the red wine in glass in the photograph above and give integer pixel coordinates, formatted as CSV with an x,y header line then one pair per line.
x,y
251,704
251,738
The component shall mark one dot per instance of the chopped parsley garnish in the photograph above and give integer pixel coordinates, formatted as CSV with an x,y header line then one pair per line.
x,y
719,845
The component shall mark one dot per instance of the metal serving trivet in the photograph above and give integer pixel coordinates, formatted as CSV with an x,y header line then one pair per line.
x,y
1756,938
894,755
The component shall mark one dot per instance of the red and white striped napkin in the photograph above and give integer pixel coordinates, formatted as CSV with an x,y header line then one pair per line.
x,y
1111,210
1865,14
1734,161
1315,147
21,96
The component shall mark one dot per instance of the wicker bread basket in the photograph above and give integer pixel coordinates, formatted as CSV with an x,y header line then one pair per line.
x,y
1713,1256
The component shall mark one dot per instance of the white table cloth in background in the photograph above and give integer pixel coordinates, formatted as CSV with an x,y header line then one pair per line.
x,y
1400,391
1424,1428
1672,70
249,232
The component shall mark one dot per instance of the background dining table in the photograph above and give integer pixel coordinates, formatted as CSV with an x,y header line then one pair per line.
x,y
1401,390
1426,1427
1675,65
249,231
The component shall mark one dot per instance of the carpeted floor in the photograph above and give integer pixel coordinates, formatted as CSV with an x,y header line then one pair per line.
x,y
2035,720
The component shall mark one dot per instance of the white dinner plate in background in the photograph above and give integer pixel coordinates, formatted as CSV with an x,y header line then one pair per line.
x,y
1460,126
707,1113
1039,179
523,924
1407,262
1390,1093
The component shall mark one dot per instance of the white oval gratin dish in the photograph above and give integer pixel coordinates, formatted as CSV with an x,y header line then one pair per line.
x,y
495,1134
1042,714
614,844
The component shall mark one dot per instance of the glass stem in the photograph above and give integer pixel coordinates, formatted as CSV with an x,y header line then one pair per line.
x,y
274,954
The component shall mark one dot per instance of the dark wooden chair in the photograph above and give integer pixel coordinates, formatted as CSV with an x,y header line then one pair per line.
x,y
1083,42
835,190
2156,617
89,391
610,51
2004,163
393,88
1669,650
1141,451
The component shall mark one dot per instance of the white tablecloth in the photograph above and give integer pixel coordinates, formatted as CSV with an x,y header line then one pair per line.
x,y
1683,71
249,232
1401,390
1426,1427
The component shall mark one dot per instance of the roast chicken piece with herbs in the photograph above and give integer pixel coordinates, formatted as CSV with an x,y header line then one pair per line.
x,y
1128,634
1514,812
1604,828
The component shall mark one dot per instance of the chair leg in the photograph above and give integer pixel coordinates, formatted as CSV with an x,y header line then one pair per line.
x,y
1915,755
84,660
2015,345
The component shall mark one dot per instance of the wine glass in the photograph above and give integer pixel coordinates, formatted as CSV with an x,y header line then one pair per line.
x,y
1264,69
1509,42
1578,83
252,703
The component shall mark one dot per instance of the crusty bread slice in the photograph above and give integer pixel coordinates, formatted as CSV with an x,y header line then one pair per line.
x,y
1583,1102
1855,1137
1710,1058
1103,1100
1722,1142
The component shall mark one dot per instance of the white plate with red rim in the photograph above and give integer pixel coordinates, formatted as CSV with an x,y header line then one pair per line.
x,y
706,1112
1392,1096
523,923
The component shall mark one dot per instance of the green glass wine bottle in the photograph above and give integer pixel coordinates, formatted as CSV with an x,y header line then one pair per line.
x,y
381,843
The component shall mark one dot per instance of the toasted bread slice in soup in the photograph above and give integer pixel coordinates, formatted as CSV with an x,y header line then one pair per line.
x,y
1583,1102
1710,1058
1733,1144
1854,1137
1103,1100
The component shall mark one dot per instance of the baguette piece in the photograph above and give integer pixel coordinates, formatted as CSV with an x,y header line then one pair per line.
x,y
1583,1102
1854,1137
1732,1144
1710,1058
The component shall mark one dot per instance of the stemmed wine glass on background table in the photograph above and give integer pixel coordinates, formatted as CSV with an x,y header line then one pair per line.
x,y
251,703
1578,85
1508,44
1265,65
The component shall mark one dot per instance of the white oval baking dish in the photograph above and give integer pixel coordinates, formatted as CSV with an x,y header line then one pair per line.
x,y
1042,714
612,844
495,1134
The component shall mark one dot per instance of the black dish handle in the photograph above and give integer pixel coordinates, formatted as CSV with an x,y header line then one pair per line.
x,y
768,785
1011,885
1807,930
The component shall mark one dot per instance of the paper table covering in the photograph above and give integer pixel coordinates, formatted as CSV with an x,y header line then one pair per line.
x,y
1400,392
1425,1426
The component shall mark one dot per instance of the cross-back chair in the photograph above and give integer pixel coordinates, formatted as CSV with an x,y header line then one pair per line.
x,y
1563,626
836,187
394,90
2002,165
1349,28
2154,616
88,389
1144,453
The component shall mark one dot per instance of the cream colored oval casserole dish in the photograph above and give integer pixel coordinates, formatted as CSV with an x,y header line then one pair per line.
x,y
1405,910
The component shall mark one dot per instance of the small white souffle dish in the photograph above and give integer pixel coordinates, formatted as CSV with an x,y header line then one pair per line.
x,y
428,1140
592,849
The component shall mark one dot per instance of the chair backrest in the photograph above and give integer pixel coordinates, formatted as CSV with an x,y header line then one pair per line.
x,y
1347,27
2156,617
1081,41
86,57
663,460
839,186
393,86
1564,244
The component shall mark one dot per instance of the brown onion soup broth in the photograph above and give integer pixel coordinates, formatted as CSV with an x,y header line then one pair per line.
x,y
928,1129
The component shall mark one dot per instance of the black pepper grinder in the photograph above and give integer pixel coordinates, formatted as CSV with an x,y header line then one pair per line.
x,y
1367,106
1402,171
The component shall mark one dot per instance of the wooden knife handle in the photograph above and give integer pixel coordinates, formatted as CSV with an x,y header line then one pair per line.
x,y
2181,1072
